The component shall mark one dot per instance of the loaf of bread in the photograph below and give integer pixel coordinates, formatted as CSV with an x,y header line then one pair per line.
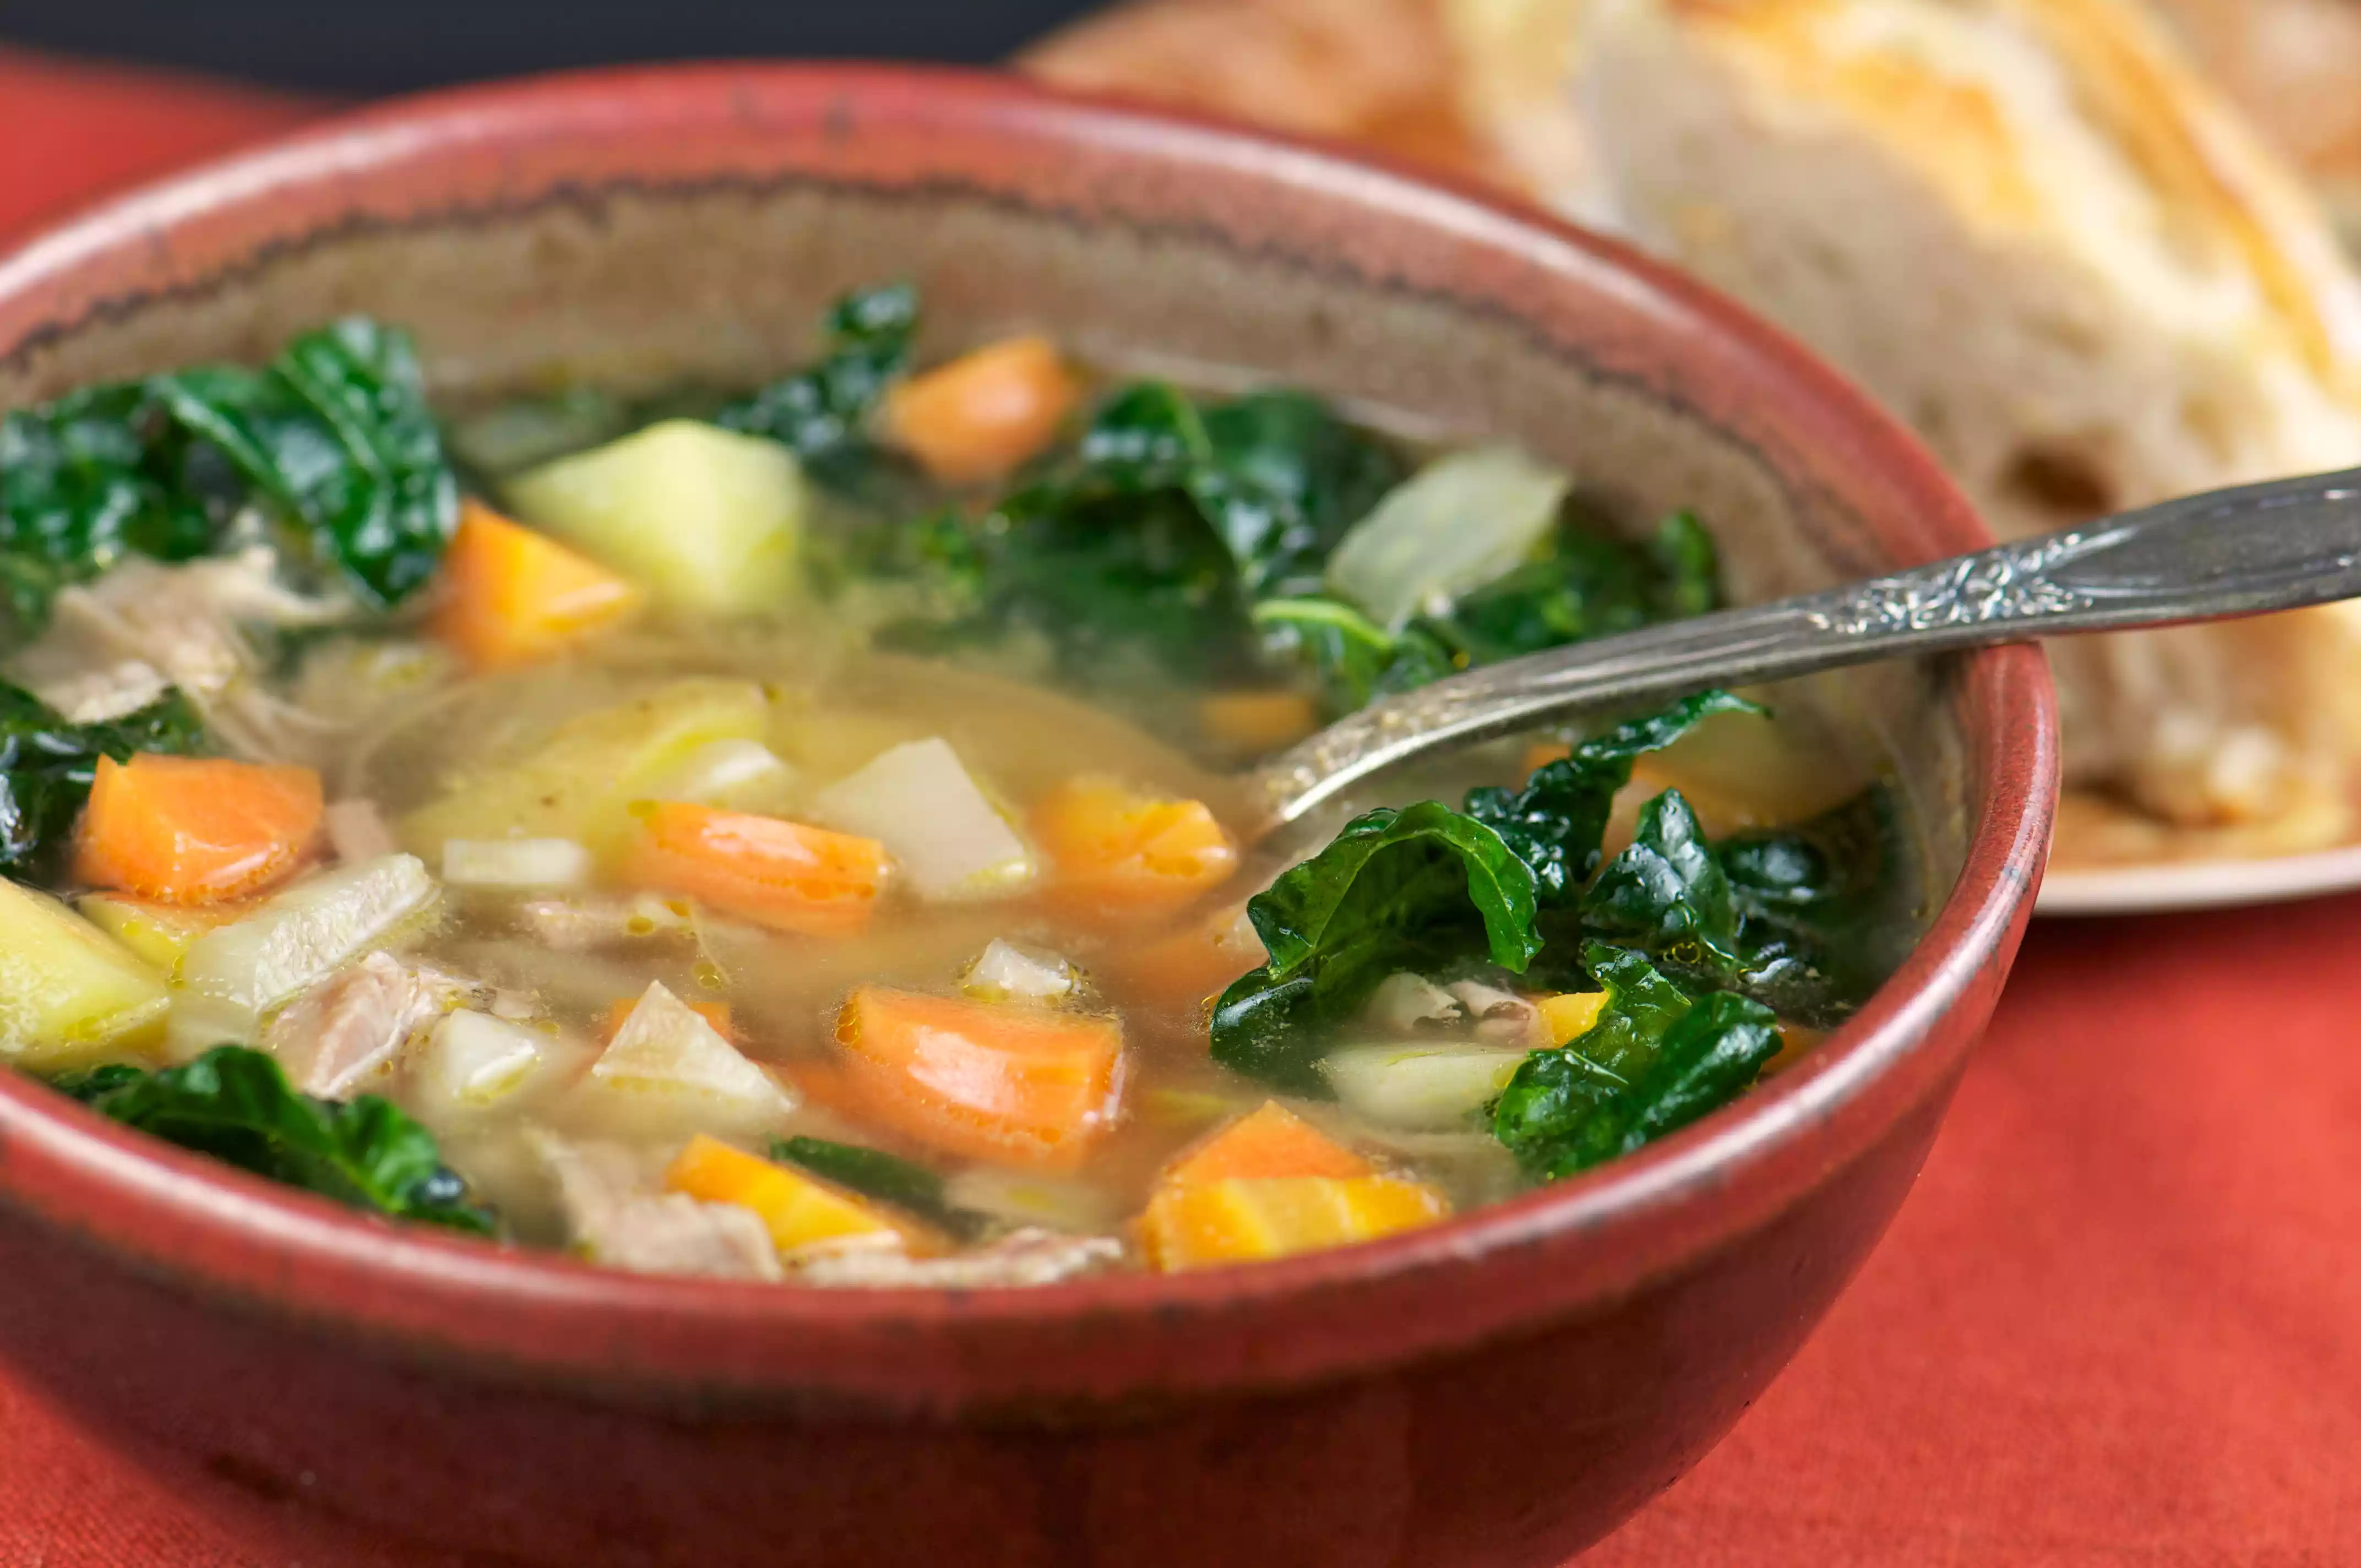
x,y
2034,234
2295,66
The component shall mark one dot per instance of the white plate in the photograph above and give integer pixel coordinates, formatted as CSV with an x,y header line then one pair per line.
x,y
2199,884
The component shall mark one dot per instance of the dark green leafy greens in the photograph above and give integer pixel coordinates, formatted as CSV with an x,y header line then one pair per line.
x,y
875,1174
1675,1060
1667,894
234,1104
822,413
1396,890
46,765
333,440
1557,822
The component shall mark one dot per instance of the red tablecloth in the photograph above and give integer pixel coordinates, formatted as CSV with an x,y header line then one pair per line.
x,y
2118,1325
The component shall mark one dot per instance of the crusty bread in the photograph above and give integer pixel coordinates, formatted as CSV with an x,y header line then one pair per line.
x,y
2295,65
2031,231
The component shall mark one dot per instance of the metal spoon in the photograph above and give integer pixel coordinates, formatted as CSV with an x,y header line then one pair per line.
x,y
2228,553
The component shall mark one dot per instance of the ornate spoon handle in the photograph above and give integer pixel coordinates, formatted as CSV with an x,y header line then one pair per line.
x,y
2230,552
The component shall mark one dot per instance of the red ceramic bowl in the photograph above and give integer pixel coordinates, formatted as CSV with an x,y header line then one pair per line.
x,y
1500,1390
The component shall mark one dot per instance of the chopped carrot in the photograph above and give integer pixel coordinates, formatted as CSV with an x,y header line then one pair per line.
x,y
985,412
1269,1142
714,1013
1250,723
1192,965
1111,851
197,830
512,596
799,1211
1240,1221
1570,1014
1015,1084
782,874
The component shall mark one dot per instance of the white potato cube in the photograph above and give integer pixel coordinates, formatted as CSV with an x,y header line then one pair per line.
x,y
1419,1087
668,1067
1006,972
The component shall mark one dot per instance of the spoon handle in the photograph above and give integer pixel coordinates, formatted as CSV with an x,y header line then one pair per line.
x,y
2273,546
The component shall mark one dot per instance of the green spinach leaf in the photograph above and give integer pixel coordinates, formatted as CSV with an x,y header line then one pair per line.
x,y
234,1104
46,766
1396,890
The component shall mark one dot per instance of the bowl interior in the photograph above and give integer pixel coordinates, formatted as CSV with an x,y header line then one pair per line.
x,y
692,226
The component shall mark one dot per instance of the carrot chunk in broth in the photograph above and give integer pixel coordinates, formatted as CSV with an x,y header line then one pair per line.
x,y
1117,852
513,597
785,875
985,412
1243,1220
990,1081
197,830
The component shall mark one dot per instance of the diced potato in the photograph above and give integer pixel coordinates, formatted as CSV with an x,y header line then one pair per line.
x,y
299,937
920,803
1242,1220
706,520
669,1066
472,1062
1419,1087
69,993
1006,972
1570,1015
801,1213
1028,1198
160,933
579,784
515,864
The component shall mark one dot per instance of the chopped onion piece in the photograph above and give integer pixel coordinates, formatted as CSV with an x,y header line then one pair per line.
x,y
668,1063
474,1061
1023,1198
1006,972
300,936
517,863
736,774
918,800
1452,527
1419,1086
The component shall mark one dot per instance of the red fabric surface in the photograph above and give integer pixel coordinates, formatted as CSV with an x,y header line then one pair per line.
x,y
2118,1326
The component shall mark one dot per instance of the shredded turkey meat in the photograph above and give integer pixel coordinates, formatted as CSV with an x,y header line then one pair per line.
x,y
332,1038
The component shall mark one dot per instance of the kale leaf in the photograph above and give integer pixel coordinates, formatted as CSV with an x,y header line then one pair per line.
x,y
822,414
1557,822
1688,567
335,436
234,1104
1815,922
875,1174
84,482
1655,1062
1667,894
1396,890
1354,658
46,765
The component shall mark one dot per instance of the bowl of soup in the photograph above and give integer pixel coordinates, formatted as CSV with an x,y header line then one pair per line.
x,y
632,928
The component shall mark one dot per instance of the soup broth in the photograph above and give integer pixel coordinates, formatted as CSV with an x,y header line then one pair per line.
x,y
798,836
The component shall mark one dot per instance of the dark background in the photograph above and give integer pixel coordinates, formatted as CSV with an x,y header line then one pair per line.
x,y
357,46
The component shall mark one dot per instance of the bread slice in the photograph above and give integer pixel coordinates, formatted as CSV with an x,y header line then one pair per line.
x,y
2295,66
2032,233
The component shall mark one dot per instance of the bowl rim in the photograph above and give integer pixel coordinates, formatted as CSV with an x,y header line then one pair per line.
x,y
246,1244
